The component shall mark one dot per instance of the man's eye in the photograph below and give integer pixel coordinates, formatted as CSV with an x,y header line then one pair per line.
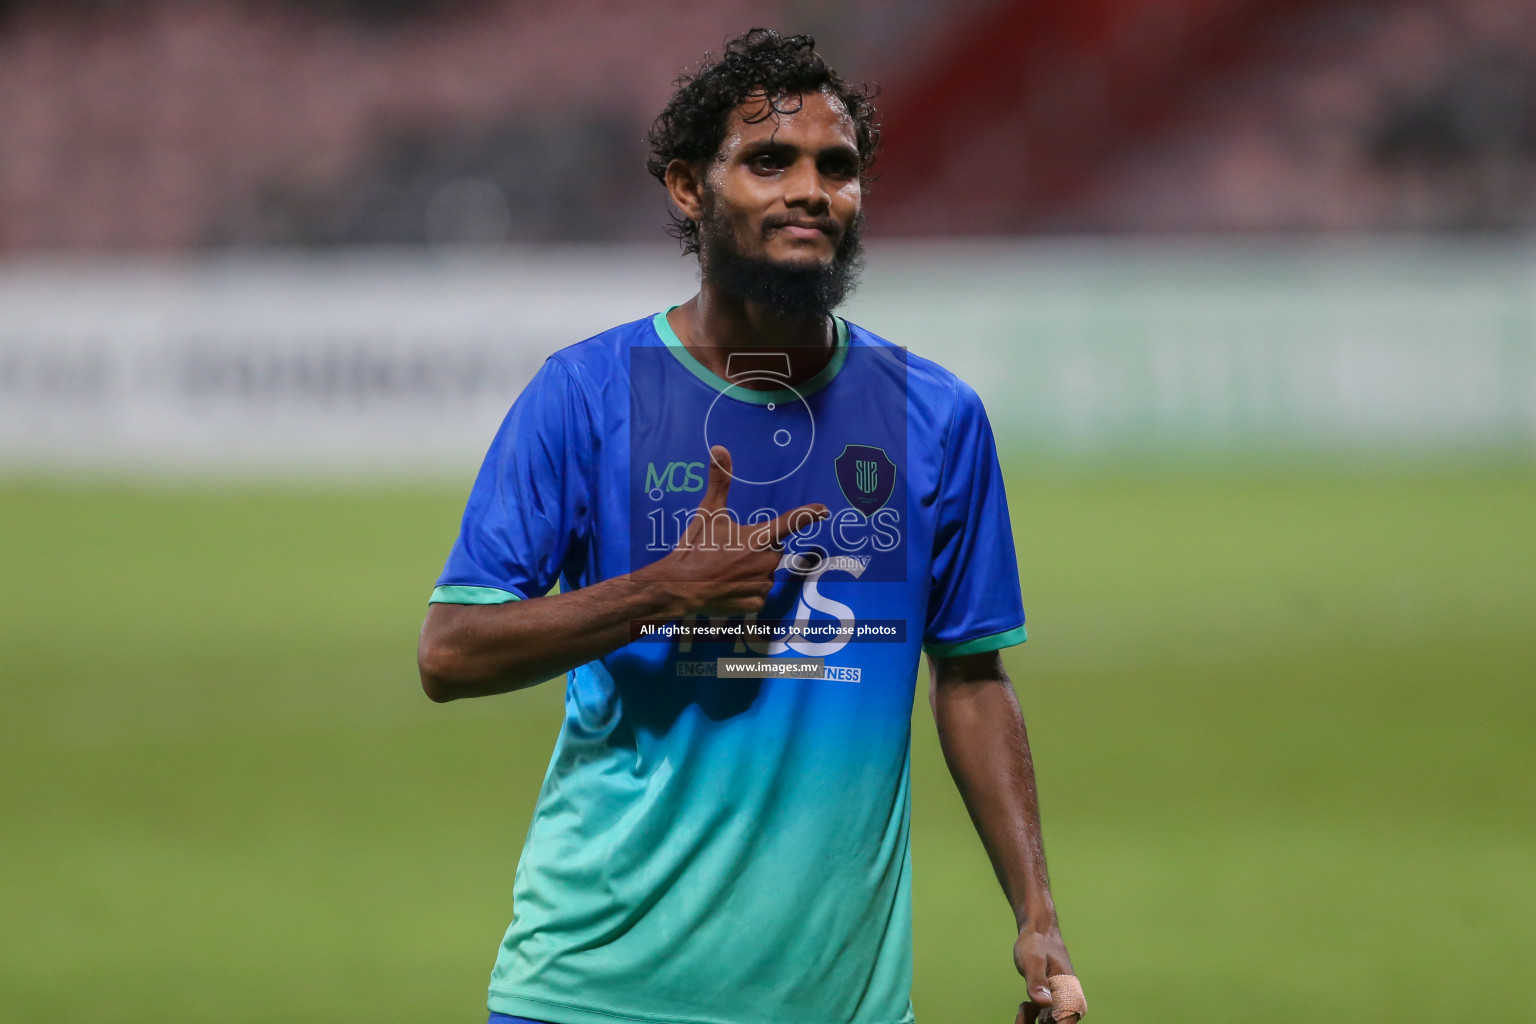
x,y
766,162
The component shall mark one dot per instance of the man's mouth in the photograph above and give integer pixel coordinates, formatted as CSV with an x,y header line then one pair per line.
x,y
809,229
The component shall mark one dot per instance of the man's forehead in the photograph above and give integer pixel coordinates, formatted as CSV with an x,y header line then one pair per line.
x,y
788,115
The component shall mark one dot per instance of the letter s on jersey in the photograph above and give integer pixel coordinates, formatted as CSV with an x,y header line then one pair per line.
x,y
812,599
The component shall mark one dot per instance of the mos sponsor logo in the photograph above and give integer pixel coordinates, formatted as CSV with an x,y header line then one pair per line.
x,y
674,478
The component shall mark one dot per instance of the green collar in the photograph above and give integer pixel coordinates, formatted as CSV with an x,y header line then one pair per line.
x,y
822,378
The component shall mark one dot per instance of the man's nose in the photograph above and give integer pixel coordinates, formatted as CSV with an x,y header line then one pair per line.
x,y
805,187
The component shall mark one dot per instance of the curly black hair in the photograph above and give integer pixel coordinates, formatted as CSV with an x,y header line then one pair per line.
x,y
692,126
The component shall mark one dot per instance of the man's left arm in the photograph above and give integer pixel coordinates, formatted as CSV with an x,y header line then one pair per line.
x,y
981,730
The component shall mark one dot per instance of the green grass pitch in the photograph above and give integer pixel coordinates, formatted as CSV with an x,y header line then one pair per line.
x,y
1284,721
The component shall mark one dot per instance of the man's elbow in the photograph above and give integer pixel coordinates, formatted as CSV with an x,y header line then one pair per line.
x,y
442,672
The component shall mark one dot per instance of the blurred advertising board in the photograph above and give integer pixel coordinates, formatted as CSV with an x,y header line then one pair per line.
x,y
1180,345
404,362
369,363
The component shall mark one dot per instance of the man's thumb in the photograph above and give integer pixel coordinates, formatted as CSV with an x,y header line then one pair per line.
x,y
1034,980
719,479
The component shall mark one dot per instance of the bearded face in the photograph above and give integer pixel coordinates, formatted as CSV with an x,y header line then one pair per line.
x,y
788,286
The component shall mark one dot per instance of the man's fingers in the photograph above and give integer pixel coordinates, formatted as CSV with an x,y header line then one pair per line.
x,y
719,479
796,519
1033,1013
1066,1006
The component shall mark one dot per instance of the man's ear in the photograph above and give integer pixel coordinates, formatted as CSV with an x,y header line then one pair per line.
x,y
685,184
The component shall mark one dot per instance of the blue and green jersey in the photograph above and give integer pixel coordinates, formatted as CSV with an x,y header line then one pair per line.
x,y
714,850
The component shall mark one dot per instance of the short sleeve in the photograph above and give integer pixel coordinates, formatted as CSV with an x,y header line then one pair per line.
x,y
530,510
973,603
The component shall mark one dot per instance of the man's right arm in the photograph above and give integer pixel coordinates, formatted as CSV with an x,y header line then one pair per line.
x,y
470,650
718,568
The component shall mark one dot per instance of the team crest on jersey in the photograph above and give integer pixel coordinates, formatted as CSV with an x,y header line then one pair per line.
x,y
867,476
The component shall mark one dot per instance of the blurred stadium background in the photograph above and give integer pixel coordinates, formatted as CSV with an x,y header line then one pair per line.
x,y
1249,288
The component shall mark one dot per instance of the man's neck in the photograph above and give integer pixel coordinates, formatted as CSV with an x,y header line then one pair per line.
x,y
713,326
